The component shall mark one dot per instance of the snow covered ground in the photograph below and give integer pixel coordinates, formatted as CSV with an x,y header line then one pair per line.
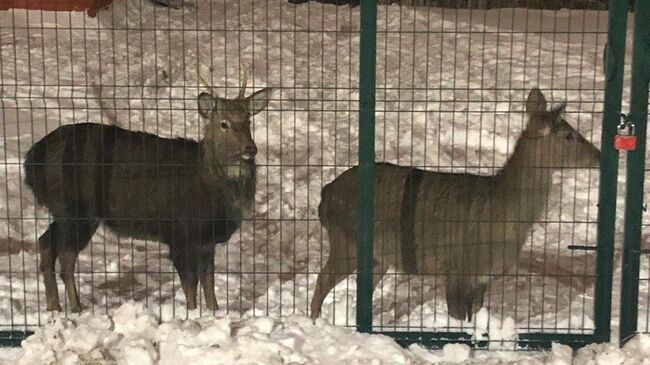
x,y
451,91
133,335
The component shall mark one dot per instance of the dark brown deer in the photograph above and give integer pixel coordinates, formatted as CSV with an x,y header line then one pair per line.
x,y
189,195
467,228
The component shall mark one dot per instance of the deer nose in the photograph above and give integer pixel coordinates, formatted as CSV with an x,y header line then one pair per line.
x,y
250,150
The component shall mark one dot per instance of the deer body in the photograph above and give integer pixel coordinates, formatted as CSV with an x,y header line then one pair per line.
x,y
189,195
467,228
100,161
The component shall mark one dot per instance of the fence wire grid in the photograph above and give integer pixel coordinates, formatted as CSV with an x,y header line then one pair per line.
x,y
451,95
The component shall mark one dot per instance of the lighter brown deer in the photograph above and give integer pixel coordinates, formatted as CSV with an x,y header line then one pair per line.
x,y
465,227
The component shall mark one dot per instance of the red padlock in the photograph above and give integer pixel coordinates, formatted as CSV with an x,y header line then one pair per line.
x,y
625,141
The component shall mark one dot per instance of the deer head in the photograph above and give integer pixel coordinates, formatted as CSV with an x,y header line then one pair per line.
x,y
228,122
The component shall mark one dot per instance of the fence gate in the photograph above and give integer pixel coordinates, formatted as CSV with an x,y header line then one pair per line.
x,y
635,292
441,88
469,64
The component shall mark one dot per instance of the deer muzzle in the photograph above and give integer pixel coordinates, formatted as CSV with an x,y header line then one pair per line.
x,y
249,151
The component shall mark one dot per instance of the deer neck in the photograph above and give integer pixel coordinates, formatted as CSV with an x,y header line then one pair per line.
x,y
234,181
523,186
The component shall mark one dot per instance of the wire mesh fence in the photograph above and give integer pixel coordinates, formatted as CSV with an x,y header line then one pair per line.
x,y
453,100
452,85
138,66
479,68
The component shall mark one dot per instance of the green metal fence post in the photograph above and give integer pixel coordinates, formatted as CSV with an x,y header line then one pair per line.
x,y
614,65
366,176
635,171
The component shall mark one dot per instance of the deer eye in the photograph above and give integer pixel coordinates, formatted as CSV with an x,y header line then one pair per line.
x,y
224,125
569,137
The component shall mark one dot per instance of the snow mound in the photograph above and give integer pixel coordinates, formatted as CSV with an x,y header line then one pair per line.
x,y
132,334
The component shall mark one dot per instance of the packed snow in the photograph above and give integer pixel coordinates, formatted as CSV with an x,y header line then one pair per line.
x,y
131,334
451,91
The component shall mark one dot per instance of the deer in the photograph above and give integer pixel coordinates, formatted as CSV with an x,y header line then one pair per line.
x,y
464,227
190,195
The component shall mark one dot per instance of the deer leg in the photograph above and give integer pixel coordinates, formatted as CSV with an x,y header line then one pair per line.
x,y
338,266
187,269
333,273
189,283
68,260
377,274
465,294
74,237
479,297
324,284
206,277
47,250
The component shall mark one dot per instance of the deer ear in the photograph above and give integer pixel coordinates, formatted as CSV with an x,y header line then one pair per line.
x,y
259,100
557,111
206,104
536,102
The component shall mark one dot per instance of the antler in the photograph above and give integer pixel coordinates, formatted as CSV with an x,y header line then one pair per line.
x,y
242,90
206,85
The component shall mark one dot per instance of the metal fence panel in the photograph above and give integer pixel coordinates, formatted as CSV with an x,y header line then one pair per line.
x,y
138,66
440,89
443,96
633,314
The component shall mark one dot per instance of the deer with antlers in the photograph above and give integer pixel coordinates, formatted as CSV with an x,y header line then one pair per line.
x,y
190,195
